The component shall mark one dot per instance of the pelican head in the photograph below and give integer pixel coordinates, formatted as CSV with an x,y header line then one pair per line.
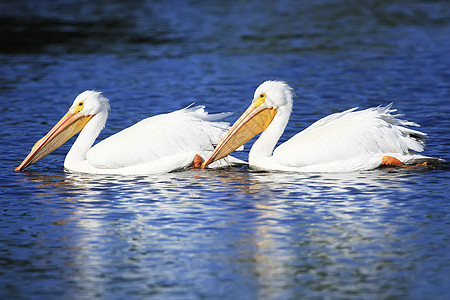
x,y
85,106
277,94
271,98
92,103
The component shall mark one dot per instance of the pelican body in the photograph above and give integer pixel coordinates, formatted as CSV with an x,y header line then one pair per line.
x,y
352,140
158,144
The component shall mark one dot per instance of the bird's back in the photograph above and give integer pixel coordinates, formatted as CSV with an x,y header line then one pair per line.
x,y
348,135
186,130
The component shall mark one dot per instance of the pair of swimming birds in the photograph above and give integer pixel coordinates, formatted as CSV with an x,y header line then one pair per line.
x,y
352,140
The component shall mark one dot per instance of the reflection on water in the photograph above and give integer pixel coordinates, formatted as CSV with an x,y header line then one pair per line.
x,y
230,233
265,233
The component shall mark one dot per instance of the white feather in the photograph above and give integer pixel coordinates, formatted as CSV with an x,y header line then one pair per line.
x,y
186,130
158,144
346,141
350,134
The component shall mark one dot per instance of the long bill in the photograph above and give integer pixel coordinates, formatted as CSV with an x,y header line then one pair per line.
x,y
253,121
68,126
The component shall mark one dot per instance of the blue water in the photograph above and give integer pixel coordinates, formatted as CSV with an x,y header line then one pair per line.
x,y
234,233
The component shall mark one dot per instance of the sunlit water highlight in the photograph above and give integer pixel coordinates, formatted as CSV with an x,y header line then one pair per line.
x,y
231,233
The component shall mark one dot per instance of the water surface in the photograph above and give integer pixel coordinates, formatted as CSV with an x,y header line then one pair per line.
x,y
232,233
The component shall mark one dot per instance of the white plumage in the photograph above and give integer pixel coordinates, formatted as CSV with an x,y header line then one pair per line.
x,y
158,144
348,141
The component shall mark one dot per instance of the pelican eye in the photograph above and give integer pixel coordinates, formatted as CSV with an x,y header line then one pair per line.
x,y
261,98
80,106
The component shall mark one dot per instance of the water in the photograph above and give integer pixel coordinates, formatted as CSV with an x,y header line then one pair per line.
x,y
233,233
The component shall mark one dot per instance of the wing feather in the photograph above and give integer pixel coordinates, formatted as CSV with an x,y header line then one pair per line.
x,y
351,134
190,129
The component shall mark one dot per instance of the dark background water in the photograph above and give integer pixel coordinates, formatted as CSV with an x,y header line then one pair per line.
x,y
233,233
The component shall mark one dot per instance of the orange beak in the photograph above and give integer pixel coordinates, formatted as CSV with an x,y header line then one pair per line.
x,y
253,121
68,126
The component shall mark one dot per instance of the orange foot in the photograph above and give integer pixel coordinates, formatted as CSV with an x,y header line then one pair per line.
x,y
197,161
390,161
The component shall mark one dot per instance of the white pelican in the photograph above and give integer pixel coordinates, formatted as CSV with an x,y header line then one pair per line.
x,y
342,142
157,144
